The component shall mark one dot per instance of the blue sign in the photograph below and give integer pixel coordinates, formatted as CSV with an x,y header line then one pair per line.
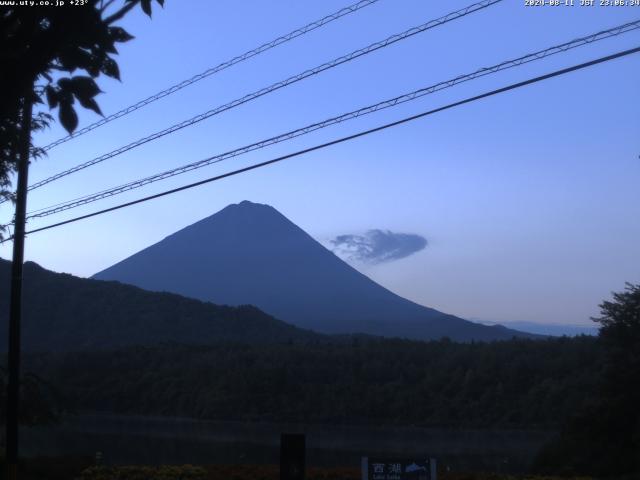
x,y
374,468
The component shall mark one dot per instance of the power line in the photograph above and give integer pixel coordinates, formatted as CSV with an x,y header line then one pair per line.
x,y
218,68
276,86
538,55
345,139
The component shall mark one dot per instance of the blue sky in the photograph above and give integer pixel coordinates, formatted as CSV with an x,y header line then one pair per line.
x,y
528,201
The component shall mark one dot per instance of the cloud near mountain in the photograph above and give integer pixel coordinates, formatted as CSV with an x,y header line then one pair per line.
x,y
378,246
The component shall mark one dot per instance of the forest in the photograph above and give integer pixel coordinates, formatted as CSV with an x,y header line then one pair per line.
x,y
519,383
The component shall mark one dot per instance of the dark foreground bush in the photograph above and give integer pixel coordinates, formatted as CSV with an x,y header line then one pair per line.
x,y
268,472
165,472
48,468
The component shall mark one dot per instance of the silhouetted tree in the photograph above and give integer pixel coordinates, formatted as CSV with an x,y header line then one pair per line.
x,y
40,43
604,439
620,336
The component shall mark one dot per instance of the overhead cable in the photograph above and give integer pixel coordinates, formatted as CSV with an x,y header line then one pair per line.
x,y
276,86
538,55
218,68
343,139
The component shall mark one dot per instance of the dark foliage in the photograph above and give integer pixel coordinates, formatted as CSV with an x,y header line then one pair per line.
x,y
41,47
519,383
604,437
51,468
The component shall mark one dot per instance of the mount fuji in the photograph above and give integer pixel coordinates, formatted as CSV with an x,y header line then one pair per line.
x,y
251,254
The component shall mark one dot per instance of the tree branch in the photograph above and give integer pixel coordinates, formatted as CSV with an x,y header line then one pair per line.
x,y
121,13
106,5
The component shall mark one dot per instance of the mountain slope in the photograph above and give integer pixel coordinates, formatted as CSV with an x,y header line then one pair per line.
x,y
251,254
63,312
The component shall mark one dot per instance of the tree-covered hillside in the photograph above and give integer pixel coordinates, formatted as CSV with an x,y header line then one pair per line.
x,y
63,312
519,383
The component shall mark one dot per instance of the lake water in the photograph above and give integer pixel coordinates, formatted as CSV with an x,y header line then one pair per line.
x,y
161,440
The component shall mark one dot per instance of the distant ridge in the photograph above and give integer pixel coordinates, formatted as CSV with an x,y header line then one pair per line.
x,y
550,329
249,253
67,313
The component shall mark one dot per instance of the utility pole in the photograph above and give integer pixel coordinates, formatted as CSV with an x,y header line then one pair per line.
x,y
15,307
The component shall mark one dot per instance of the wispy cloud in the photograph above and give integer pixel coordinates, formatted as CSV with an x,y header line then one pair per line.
x,y
378,246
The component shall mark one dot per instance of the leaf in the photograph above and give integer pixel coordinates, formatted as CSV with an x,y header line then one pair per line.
x,y
119,34
146,6
110,68
52,96
84,87
110,47
68,117
40,121
65,83
93,70
161,2
72,58
91,104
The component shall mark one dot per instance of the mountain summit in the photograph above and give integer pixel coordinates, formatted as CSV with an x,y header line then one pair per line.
x,y
250,253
